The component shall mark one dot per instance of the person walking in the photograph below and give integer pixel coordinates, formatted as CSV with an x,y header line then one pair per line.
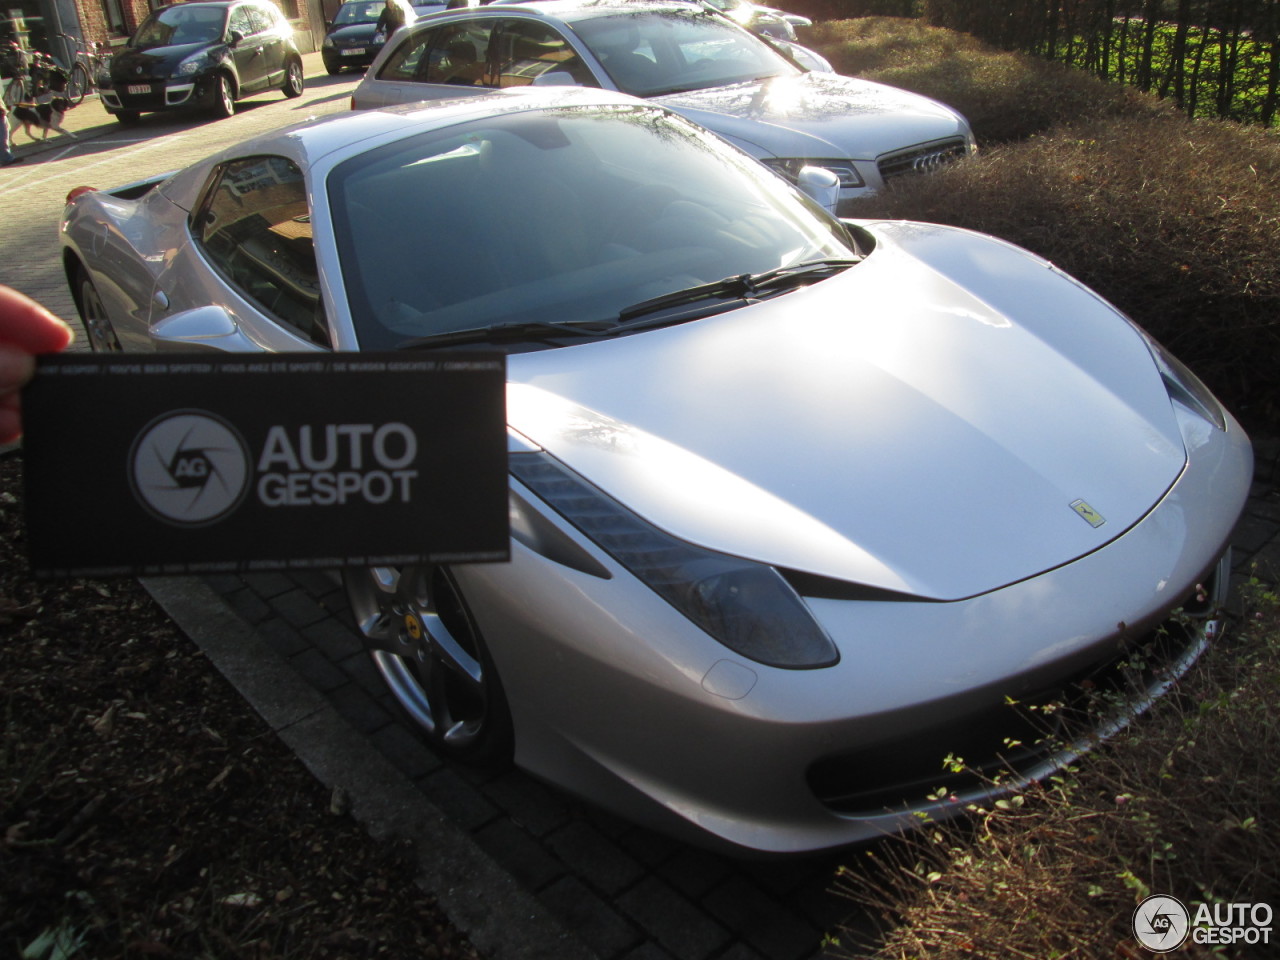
x,y
6,152
395,14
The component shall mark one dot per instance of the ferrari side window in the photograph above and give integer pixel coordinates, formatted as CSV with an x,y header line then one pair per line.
x,y
255,227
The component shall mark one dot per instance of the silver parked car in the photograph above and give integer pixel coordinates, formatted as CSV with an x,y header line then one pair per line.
x,y
687,58
765,21
798,506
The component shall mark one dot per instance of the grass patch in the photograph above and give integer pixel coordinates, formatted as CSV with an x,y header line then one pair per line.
x,y
1183,803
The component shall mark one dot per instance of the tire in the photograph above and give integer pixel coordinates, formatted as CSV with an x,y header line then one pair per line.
x,y
93,315
224,97
332,71
293,81
128,117
428,648
79,83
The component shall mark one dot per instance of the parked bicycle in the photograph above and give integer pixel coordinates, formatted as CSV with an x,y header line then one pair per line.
x,y
15,67
89,60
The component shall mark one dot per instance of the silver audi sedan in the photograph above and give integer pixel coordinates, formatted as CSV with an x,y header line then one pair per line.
x,y
800,508
692,60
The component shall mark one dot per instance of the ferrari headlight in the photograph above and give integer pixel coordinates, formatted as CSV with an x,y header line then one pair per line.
x,y
1184,386
790,168
746,606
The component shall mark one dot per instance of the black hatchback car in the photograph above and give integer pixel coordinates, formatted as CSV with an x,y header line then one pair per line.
x,y
204,55
351,38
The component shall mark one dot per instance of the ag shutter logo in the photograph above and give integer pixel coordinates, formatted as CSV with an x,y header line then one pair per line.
x,y
189,467
1161,923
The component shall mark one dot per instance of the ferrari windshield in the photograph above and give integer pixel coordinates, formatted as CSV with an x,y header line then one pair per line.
x,y
186,23
541,216
651,53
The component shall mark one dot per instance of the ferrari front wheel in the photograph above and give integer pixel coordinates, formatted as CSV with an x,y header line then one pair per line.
x,y
428,648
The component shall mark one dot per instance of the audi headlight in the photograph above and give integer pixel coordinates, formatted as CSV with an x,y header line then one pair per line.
x,y
746,606
1184,386
790,168
327,42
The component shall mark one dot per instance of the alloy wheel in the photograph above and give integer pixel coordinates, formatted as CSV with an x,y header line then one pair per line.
x,y
293,81
429,651
97,325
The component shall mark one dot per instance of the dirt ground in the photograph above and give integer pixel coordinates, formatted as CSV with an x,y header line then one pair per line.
x,y
146,811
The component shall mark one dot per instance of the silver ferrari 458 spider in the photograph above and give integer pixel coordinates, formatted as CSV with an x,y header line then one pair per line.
x,y
799,506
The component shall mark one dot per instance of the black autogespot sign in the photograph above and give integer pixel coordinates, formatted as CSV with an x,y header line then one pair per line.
x,y
197,463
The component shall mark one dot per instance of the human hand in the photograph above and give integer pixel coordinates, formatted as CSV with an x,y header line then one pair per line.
x,y
26,329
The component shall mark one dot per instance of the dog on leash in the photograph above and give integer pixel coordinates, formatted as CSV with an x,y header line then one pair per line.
x,y
45,113
42,115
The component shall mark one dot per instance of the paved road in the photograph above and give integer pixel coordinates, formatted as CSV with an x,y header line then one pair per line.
x,y
528,872
108,154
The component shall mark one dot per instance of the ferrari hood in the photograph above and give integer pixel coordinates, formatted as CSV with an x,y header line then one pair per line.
x,y
949,416
818,115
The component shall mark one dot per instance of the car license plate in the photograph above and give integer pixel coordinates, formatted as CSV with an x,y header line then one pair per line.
x,y
138,88
353,52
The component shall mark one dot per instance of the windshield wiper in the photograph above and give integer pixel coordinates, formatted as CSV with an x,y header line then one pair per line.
x,y
717,295
799,274
512,332
747,287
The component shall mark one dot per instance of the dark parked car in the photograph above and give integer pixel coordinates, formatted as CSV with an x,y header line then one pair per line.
x,y
202,55
351,38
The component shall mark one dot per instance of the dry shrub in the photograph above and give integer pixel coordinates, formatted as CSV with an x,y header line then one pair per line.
x,y
1183,803
1005,96
1173,221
